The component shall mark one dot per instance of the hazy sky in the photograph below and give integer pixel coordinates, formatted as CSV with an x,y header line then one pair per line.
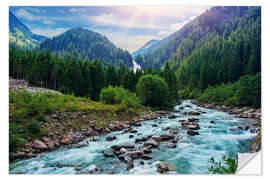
x,y
129,27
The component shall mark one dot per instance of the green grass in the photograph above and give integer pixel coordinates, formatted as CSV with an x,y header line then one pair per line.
x,y
28,111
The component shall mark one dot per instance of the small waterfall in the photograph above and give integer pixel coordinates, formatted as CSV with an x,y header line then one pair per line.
x,y
136,66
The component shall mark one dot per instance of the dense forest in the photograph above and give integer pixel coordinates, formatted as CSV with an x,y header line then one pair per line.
x,y
86,44
216,21
81,78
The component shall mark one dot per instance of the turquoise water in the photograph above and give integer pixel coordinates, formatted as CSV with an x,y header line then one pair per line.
x,y
190,157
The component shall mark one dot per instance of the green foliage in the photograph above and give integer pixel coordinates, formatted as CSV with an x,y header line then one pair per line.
x,y
228,165
86,44
119,95
153,91
249,91
15,137
244,92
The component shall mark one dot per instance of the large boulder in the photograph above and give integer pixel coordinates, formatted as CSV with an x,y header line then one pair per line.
x,y
116,147
39,145
164,167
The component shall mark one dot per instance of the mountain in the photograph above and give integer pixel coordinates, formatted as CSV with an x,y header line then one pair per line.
x,y
217,20
147,48
20,35
86,44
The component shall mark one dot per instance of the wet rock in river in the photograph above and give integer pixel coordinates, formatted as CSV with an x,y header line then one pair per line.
x,y
192,133
151,143
130,164
128,146
154,125
156,138
111,138
131,136
143,139
166,136
95,138
123,150
108,153
164,167
146,157
194,113
171,145
212,122
116,147
193,119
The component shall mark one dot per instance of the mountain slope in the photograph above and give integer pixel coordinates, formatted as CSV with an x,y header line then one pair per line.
x,y
86,44
147,48
201,29
20,35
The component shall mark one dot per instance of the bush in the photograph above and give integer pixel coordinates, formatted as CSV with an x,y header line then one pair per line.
x,y
118,95
153,91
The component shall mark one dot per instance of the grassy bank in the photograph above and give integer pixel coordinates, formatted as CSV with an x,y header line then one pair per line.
x,y
29,115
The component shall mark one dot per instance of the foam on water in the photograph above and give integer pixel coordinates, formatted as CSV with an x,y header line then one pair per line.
x,y
190,157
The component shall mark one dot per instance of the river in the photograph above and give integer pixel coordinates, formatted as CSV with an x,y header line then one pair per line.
x,y
189,157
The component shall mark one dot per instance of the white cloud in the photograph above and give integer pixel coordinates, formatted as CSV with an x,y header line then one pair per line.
x,y
49,22
73,10
22,13
48,32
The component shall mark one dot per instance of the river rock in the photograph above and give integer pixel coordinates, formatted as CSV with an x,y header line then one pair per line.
x,y
95,138
131,136
164,167
128,146
143,139
212,122
154,125
130,164
65,140
110,138
192,126
146,157
192,133
108,153
156,138
193,119
171,145
123,150
147,150
166,136
116,147
152,143
194,113
39,145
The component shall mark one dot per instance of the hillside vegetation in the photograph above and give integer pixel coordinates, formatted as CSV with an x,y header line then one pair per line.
x,y
86,44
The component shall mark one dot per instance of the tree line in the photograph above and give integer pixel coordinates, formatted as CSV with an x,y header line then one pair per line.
x,y
79,77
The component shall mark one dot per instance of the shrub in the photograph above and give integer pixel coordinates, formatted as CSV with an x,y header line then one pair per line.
x,y
118,95
153,91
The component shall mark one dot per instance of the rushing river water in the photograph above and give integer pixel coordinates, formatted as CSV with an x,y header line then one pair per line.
x,y
190,156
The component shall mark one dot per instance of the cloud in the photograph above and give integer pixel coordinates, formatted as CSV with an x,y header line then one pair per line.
x,y
49,22
22,13
49,32
73,10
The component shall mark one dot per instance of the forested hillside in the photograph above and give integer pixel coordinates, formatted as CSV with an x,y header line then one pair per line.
x,y
225,58
216,21
85,44
20,35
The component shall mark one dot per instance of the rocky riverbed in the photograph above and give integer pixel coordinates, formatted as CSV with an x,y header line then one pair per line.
x,y
180,142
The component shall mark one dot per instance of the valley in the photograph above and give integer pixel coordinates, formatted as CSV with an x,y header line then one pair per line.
x,y
79,104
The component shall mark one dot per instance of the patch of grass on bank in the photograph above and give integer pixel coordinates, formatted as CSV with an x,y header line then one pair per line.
x,y
28,111
244,92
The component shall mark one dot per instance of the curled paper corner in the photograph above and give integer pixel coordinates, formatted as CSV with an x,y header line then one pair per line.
x,y
249,163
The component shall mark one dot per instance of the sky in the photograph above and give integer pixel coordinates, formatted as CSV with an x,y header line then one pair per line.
x,y
128,27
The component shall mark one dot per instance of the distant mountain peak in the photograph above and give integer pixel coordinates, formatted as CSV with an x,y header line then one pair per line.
x,y
20,35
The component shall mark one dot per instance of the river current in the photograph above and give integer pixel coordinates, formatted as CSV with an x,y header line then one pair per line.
x,y
191,156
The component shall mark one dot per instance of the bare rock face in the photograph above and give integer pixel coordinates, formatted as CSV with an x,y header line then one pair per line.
x,y
39,145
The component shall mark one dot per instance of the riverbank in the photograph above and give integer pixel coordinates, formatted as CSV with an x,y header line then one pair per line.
x,y
182,142
241,112
67,129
